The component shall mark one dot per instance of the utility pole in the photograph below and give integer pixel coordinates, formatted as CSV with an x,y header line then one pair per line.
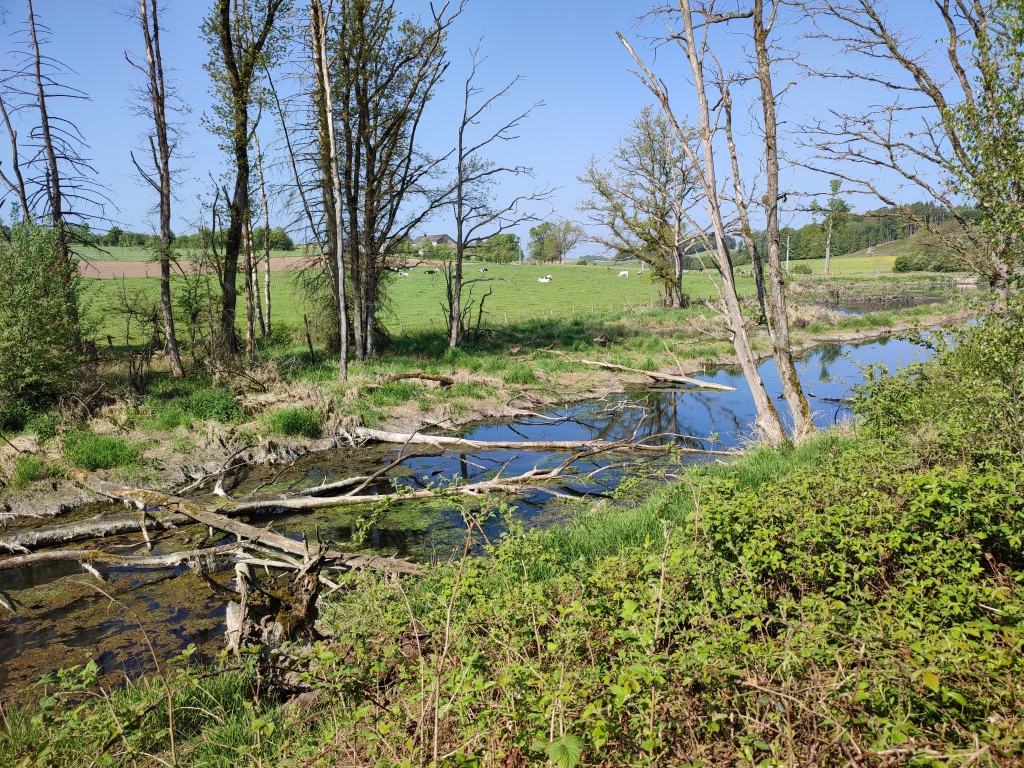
x,y
787,254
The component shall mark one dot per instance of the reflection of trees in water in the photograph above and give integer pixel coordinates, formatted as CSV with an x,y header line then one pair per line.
x,y
687,415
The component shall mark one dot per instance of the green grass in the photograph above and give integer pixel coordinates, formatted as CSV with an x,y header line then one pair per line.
x,y
91,452
296,422
27,470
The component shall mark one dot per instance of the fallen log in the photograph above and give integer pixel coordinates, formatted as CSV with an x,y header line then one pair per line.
x,y
442,441
656,376
95,556
496,485
97,527
178,512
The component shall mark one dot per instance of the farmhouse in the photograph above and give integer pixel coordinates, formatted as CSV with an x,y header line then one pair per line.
x,y
434,240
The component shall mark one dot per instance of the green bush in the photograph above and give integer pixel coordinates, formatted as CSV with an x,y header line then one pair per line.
x,y
214,404
801,269
296,422
928,262
91,452
39,316
15,415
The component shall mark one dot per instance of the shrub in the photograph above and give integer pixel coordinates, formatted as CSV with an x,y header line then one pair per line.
x,y
928,262
802,269
214,404
91,452
15,415
296,422
39,315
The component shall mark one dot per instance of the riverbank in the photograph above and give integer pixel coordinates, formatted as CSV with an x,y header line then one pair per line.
x,y
857,599
180,432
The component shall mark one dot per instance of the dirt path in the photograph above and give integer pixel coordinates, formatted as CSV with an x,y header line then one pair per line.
x,y
107,270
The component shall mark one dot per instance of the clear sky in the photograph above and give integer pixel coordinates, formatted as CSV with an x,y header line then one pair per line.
x,y
566,51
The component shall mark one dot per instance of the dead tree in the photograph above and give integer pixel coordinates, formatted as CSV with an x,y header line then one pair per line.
x,y
318,30
696,50
803,419
264,309
52,179
383,73
161,148
477,216
915,135
244,40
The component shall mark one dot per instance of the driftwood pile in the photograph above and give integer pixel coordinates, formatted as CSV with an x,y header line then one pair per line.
x,y
260,613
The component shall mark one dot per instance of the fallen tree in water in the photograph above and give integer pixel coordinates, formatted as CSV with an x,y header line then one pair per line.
x,y
176,512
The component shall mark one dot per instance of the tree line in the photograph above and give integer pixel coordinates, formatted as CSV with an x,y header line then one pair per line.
x,y
348,137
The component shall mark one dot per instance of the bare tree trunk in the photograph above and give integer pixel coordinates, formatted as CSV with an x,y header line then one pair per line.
x,y
803,419
240,53
264,323
250,303
746,232
54,193
677,285
768,422
318,26
161,157
18,185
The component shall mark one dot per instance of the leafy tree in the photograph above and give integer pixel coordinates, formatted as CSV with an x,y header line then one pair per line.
x,y
39,301
279,239
836,215
640,195
553,241
499,249
990,167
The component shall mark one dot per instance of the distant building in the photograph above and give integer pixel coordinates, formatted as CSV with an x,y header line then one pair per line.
x,y
435,240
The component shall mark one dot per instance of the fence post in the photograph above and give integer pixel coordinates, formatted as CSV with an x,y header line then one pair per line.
x,y
506,318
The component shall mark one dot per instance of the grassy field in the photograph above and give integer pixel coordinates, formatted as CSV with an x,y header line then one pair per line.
x,y
415,302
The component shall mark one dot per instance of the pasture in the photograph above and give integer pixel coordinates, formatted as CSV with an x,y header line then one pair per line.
x,y
415,302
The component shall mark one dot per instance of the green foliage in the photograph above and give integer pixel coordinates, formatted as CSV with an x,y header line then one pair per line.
x,y
91,452
793,607
39,311
968,405
27,470
928,262
801,269
553,241
519,373
498,249
214,404
296,422
988,167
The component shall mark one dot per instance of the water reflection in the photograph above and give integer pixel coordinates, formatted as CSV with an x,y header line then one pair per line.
x,y
68,623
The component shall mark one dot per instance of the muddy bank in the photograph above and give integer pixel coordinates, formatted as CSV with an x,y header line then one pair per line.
x,y
214,447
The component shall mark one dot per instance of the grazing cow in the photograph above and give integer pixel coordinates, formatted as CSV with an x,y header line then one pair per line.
x,y
403,274
624,273
543,279
484,269
429,271
640,273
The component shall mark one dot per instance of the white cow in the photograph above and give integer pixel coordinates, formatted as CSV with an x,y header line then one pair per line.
x,y
543,279
624,273
403,274
483,270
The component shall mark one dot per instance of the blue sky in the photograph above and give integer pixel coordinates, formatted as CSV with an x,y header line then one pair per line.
x,y
565,50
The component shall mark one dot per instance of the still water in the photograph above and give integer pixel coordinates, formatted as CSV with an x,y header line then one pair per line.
x,y
62,620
